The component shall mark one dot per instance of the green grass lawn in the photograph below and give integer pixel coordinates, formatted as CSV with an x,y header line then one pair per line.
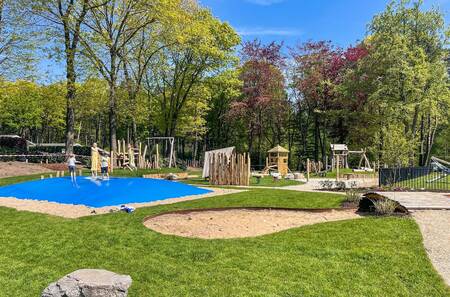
x,y
366,257
423,183
263,182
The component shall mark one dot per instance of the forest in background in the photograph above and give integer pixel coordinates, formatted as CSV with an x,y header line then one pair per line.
x,y
141,68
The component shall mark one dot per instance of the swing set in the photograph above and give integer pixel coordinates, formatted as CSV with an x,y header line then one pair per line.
x,y
168,147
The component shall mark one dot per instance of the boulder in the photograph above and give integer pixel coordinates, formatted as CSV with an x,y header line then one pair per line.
x,y
366,203
89,283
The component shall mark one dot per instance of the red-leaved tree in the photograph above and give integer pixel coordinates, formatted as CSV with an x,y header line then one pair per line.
x,y
263,102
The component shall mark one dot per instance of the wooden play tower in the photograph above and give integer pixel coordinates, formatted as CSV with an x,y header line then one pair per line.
x,y
278,159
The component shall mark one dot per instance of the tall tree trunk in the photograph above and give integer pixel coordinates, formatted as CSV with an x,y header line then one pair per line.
x,y
112,117
316,138
421,155
112,101
70,99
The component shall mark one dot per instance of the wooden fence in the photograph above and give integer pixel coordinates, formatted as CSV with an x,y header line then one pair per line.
x,y
229,170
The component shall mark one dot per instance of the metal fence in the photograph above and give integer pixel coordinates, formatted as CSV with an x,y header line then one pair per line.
x,y
415,178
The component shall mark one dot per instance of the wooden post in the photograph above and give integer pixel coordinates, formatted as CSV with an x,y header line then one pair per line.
x,y
143,156
308,169
80,172
248,169
337,167
157,156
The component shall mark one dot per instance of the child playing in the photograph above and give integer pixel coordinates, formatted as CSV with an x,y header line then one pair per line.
x,y
104,166
71,162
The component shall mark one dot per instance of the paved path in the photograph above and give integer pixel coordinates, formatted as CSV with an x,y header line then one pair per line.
x,y
420,200
435,228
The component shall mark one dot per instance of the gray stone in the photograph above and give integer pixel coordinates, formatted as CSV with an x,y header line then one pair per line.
x,y
89,283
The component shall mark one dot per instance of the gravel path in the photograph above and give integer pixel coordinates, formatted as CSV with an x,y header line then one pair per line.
x,y
420,200
435,228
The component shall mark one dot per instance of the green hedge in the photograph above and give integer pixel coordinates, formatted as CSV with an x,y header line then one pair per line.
x,y
12,145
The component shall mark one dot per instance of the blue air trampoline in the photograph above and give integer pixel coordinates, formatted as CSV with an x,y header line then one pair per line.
x,y
98,193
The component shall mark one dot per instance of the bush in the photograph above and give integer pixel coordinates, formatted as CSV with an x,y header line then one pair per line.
x,y
82,150
36,150
326,184
12,145
57,149
340,185
353,196
181,164
353,185
385,206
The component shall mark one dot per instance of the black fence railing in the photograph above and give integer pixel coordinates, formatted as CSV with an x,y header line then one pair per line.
x,y
415,178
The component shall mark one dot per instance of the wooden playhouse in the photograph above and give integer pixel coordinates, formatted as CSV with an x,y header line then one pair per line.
x,y
278,160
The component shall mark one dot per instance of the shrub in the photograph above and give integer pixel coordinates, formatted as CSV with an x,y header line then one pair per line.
x,y
353,184
340,185
57,149
384,206
13,145
326,184
353,196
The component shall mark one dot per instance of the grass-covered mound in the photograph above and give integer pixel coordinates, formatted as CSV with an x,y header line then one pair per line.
x,y
365,257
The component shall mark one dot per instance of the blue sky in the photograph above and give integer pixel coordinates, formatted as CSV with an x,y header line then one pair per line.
x,y
341,21
292,21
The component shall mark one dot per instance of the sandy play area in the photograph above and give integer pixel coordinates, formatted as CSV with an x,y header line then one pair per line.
x,y
237,223
21,168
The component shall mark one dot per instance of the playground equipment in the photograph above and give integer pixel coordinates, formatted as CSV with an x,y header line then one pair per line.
x,y
341,152
440,166
130,157
277,160
168,145
226,167
228,151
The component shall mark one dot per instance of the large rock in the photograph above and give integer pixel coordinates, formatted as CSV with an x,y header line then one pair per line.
x,y
89,283
366,204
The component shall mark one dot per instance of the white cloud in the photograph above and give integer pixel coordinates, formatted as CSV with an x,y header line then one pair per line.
x,y
268,32
264,2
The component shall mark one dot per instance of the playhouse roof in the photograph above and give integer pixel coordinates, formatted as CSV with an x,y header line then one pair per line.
x,y
339,147
278,149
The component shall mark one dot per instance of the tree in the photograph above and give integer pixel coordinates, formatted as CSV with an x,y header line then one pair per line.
x,y
111,27
67,17
16,41
407,70
20,108
207,47
224,89
263,102
138,54
316,71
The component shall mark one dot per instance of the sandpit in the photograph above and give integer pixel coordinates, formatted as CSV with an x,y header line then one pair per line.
x,y
239,223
